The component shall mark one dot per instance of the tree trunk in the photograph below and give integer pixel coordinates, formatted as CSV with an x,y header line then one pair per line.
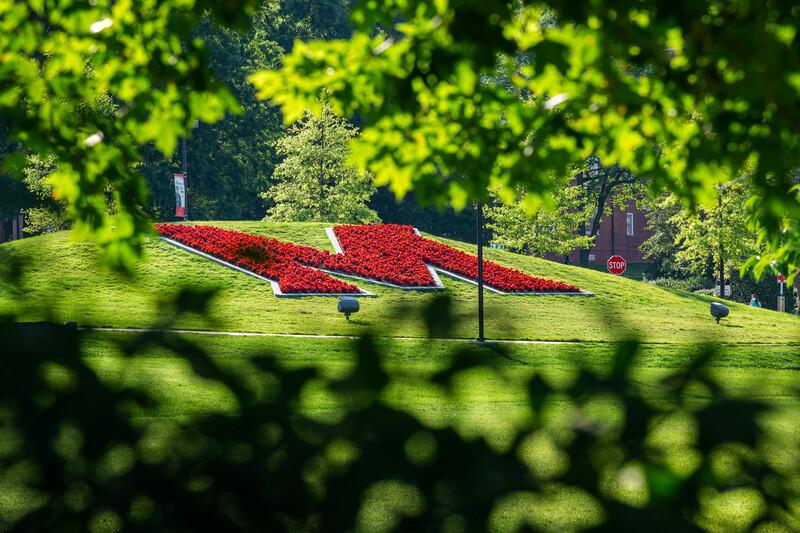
x,y
583,256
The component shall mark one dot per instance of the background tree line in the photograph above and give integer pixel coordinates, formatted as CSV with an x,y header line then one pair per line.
x,y
238,166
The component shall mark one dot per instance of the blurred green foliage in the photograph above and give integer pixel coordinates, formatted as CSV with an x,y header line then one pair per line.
x,y
686,93
60,60
85,455
230,161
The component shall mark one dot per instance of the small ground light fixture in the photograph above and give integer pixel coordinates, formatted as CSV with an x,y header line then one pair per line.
x,y
348,305
719,311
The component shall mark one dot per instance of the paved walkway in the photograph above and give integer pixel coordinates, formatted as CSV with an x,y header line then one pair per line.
x,y
310,336
411,339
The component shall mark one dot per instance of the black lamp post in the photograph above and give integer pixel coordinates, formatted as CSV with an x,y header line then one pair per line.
x,y
613,230
185,178
479,223
721,250
185,171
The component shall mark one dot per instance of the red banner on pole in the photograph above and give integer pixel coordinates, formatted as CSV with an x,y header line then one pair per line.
x,y
180,195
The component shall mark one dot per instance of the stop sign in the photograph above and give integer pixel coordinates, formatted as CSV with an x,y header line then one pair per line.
x,y
781,279
616,264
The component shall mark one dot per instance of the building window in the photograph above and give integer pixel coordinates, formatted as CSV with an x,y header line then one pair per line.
x,y
629,220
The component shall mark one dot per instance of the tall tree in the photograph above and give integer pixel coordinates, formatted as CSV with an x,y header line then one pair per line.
x,y
231,161
547,231
718,233
661,247
315,181
14,196
47,214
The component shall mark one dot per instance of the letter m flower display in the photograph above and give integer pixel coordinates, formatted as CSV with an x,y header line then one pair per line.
x,y
388,254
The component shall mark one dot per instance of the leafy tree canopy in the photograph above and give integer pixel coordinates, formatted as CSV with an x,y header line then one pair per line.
x,y
231,161
686,93
58,58
694,242
546,232
47,214
315,182
717,232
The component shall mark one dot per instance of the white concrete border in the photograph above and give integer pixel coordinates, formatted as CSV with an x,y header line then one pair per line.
x,y
326,337
335,241
498,291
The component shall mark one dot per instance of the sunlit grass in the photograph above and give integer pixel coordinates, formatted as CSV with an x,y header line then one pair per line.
x,y
62,279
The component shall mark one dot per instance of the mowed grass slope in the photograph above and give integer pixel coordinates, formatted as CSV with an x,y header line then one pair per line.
x,y
61,280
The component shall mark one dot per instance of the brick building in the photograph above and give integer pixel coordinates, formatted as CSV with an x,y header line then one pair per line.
x,y
620,234
11,228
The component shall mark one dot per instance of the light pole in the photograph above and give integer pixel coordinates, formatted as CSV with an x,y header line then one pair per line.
x,y
479,224
185,179
721,272
613,230
185,170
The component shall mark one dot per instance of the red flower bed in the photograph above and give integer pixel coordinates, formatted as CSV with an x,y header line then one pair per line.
x,y
383,252
397,250
276,260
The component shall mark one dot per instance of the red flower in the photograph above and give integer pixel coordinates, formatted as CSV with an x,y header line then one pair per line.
x,y
390,253
276,260
400,255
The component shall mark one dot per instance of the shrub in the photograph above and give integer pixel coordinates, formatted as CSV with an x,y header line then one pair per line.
x,y
690,284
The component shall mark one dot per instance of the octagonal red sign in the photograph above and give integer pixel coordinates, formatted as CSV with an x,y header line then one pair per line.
x,y
616,264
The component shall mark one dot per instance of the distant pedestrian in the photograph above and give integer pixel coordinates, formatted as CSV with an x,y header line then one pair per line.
x,y
754,301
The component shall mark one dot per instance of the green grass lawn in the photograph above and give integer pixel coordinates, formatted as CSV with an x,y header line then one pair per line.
x,y
764,372
490,403
62,280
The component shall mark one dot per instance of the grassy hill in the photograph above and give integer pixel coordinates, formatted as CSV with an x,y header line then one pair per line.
x,y
62,280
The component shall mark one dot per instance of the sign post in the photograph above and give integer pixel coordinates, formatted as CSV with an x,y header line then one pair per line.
x,y
180,195
617,265
781,297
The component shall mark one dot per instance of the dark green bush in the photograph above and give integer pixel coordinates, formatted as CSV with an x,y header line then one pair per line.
x,y
688,284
